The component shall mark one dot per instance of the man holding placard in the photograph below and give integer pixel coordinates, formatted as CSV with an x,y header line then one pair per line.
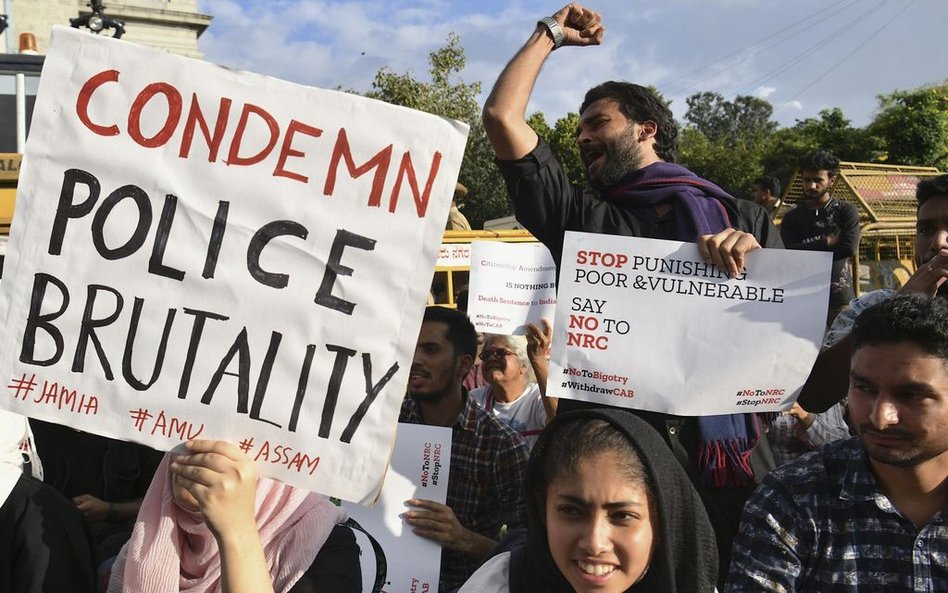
x,y
628,143
488,458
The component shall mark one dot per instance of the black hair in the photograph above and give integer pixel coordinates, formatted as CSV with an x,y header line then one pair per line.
x,y
640,104
461,300
769,183
684,555
930,188
819,161
461,332
915,318
570,444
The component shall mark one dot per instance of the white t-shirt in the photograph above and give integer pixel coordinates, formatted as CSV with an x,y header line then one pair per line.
x,y
525,414
492,576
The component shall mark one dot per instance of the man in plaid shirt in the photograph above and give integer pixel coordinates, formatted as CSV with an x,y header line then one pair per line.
x,y
488,458
868,513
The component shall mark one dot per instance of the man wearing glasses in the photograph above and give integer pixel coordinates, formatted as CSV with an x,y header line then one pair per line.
x,y
510,395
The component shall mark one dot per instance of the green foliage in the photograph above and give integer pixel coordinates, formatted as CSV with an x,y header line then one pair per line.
x,y
446,95
913,126
831,131
660,95
724,141
745,120
562,140
733,168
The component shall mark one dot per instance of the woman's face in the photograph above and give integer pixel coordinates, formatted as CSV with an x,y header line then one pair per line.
x,y
598,526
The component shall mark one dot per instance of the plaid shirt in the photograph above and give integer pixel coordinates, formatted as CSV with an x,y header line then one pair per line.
x,y
485,483
822,524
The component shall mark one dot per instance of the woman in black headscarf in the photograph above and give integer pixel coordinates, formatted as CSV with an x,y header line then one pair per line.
x,y
610,510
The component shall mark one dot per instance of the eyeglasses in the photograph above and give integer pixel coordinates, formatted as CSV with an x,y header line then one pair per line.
x,y
495,353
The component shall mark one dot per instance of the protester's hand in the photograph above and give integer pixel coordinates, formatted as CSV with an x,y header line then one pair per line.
x,y
581,26
929,276
437,522
727,249
91,507
832,238
538,341
221,481
803,417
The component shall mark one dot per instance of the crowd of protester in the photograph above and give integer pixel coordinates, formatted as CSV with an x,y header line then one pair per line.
x,y
548,495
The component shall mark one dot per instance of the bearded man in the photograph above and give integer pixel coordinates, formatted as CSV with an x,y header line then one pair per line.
x,y
868,513
488,458
824,223
628,141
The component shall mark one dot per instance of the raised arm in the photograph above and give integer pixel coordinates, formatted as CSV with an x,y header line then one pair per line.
x,y
505,110
538,350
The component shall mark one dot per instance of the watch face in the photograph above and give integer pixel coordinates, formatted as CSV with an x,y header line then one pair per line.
x,y
95,23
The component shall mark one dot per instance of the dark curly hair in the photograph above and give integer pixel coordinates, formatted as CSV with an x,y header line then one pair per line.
x,y
769,183
461,332
639,104
914,318
931,187
819,161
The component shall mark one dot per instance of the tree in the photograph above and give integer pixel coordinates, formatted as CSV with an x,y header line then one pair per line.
x,y
562,141
733,168
745,120
831,131
724,140
447,96
913,126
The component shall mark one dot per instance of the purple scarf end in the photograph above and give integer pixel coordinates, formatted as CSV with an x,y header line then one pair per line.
x,y
726,463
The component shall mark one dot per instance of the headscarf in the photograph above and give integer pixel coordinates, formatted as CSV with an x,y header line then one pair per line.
x,y
172,550
16,442
684,555
726,441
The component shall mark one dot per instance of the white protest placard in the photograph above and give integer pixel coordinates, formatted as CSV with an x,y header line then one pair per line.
x,y
511,284
419,468
200,252
646,324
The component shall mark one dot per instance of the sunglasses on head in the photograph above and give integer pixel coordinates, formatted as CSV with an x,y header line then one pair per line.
x,y
495,353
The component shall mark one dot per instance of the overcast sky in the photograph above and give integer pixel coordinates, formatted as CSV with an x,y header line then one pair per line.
x,y
801,55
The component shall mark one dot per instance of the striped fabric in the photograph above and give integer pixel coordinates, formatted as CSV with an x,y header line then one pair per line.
x,y
822,524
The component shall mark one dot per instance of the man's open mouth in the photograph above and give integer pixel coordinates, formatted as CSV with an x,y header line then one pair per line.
x,y
591,156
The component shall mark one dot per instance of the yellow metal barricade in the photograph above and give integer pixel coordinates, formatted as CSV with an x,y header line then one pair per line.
x,y
885,198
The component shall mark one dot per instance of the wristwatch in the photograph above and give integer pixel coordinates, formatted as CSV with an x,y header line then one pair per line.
x,y
556,31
